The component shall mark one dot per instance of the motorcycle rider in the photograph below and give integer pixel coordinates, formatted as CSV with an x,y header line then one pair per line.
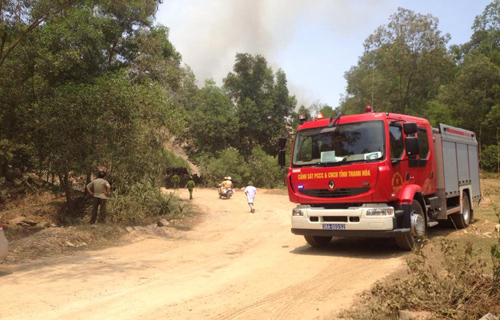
x,y
231,182
225,185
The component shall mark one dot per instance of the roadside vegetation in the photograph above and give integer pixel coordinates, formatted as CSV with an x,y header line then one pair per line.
x,y
454,276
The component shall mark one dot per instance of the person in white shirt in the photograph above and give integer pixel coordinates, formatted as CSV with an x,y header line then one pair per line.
x,y
250,191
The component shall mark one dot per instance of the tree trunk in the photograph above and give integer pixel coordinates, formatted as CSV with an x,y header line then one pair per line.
x,y
86,183
66,185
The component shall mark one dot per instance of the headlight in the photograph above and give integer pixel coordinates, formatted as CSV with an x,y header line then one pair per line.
x,y
380,212
297,212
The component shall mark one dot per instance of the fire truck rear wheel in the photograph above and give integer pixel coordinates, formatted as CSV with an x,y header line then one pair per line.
x,y
316,241
418,229
462,219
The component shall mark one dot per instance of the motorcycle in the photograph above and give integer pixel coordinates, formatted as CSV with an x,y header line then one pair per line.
x,y
225,193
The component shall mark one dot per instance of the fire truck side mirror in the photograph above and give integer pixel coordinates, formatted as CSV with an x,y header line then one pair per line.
x,y
281,158
282,143
410,128
412,146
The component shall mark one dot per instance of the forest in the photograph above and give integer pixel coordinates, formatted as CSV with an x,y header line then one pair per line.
x,y
92,84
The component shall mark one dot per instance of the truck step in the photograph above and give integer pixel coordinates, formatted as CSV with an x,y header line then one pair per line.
x,y
431,224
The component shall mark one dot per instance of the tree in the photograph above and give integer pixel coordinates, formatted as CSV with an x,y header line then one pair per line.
x,y
402,67
213,123
20,18
93,86
262,102
473,98
265,173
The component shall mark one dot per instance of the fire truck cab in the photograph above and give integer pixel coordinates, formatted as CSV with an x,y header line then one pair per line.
x,y
380,175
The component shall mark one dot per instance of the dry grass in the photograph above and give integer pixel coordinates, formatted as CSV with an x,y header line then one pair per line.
x,y
455,276
51,231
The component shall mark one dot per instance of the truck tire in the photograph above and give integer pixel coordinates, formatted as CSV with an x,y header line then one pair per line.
x,y
462,219
316,241
418,229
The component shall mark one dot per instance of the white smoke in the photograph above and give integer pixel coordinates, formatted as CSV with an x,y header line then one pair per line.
x,y
209,33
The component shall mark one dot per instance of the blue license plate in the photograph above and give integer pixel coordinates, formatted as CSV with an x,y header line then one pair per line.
x,y
333,226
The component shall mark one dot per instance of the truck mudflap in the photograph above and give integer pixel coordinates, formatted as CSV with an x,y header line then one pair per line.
x,y
351,233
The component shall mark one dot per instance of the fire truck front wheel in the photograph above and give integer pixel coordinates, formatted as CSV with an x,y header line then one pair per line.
x,y
317,241
418,228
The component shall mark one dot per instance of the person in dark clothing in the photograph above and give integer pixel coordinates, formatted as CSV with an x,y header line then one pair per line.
x,y
100,190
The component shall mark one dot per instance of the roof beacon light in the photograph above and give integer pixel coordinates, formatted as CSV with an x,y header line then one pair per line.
x,y
368,109
320,116
302,118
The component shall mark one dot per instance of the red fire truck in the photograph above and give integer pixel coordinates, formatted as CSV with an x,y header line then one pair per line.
x,y
380,175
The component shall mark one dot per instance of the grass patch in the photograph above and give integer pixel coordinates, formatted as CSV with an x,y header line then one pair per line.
x,y
447,279
455,276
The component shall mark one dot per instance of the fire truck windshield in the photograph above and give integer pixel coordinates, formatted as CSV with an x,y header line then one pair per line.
x,y
343,144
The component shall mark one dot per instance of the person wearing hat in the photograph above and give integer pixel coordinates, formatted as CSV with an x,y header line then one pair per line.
x,y
250,191
224,185
231,184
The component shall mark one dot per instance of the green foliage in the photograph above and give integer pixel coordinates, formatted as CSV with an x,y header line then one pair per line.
x,y
264,169
213,122
490,158
406,68
403,65
472,96
93,87
140,202
170,159
260,168
227,163
262,102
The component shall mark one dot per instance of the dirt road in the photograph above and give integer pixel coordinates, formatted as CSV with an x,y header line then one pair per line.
x,y
233,265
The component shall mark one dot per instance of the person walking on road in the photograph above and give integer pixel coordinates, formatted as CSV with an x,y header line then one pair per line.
x,y
250,191
100,190
175,181
190,186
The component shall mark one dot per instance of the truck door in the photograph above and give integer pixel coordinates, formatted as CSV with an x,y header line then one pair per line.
x,y
401,168
421,167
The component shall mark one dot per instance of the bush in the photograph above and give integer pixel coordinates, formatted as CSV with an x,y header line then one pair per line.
x,y
265,171
140,203
489,158
172,160
228,163
261,168
456,286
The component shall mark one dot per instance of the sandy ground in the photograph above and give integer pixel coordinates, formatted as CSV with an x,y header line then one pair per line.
x,y
233,265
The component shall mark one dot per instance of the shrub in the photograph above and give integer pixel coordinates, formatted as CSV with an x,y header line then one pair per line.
x,y
489,158
265,171
456,286
139,203
228,163
261,168
172,160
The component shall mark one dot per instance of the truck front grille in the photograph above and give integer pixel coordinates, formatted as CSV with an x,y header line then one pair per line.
x,y
337,193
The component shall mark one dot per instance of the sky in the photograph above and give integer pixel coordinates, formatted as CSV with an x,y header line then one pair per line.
x,y
313,41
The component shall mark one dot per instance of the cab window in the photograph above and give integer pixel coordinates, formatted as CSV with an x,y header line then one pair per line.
x,y
397,141
423,141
